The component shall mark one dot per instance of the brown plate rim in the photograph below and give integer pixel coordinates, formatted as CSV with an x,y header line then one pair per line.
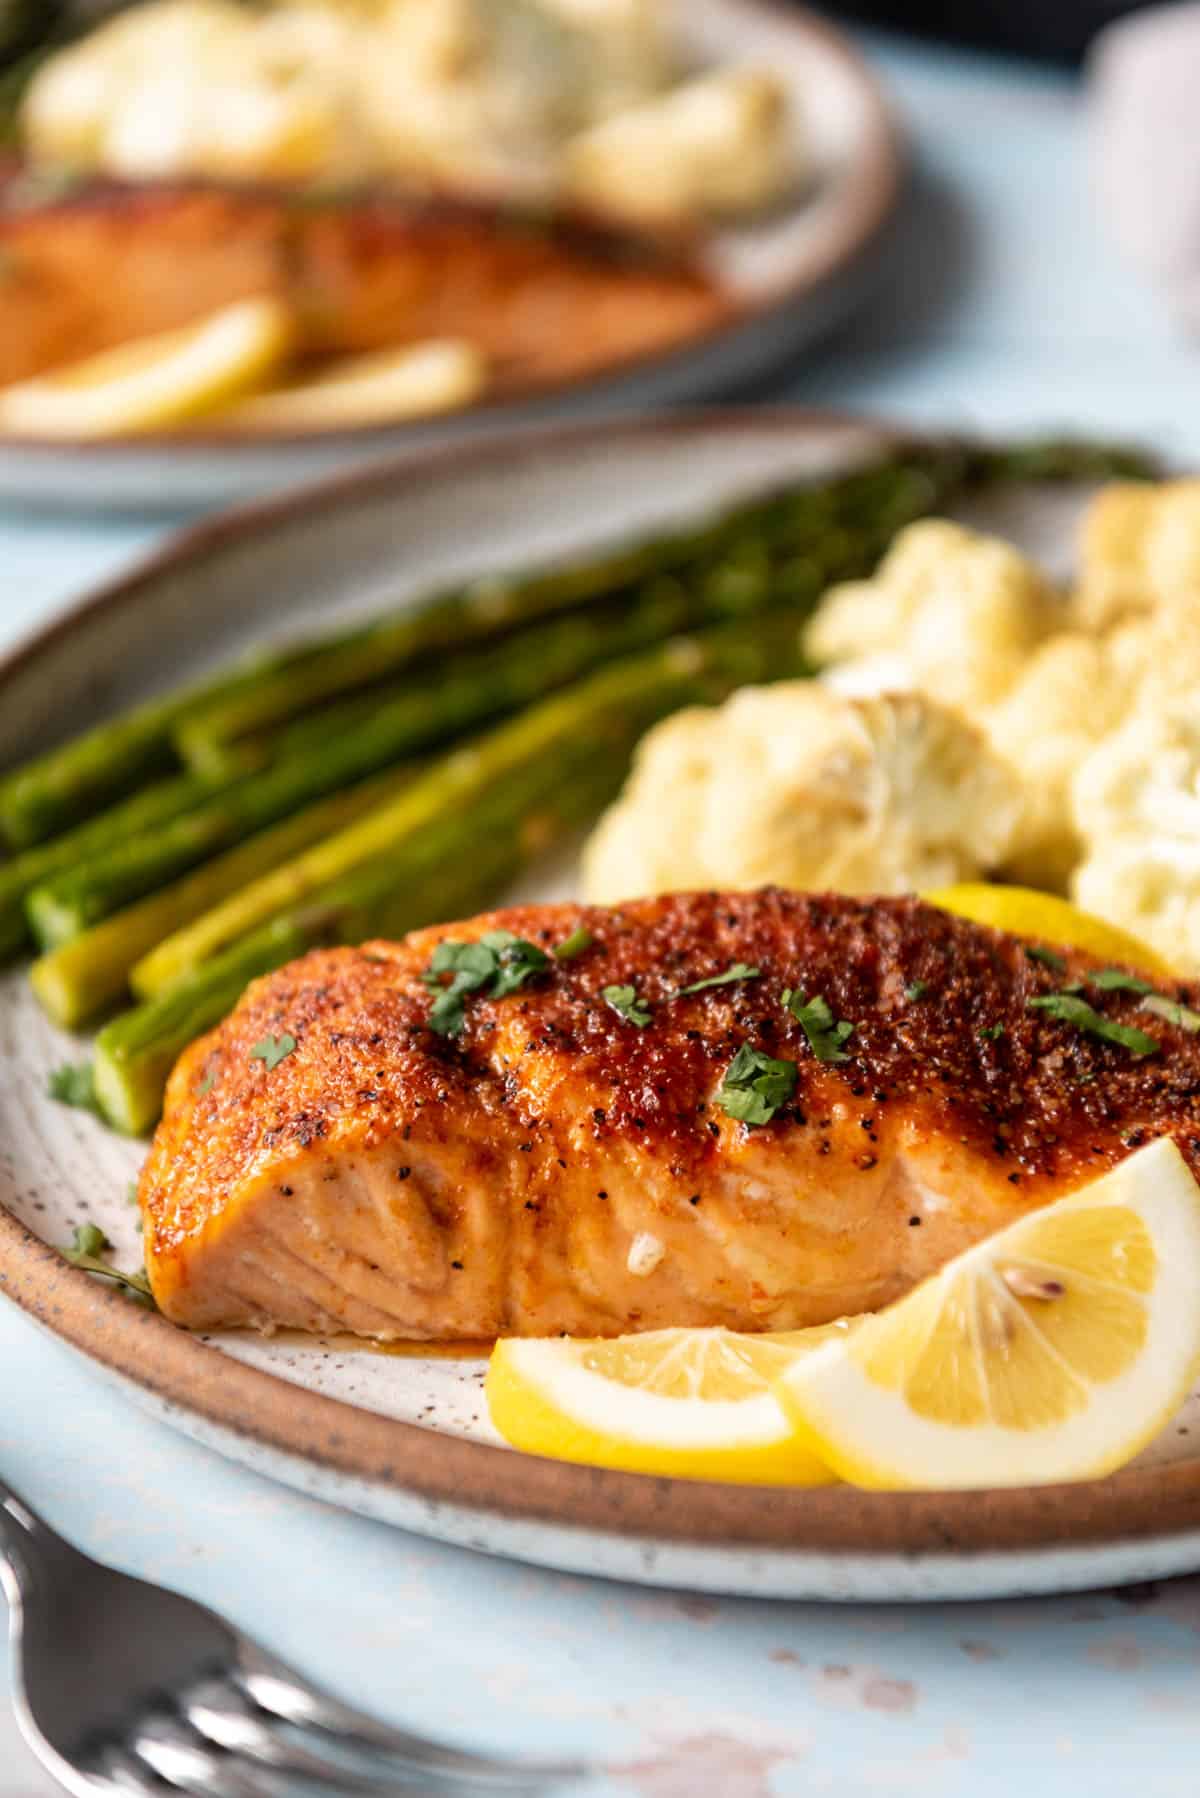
x,y
869,193
181,1372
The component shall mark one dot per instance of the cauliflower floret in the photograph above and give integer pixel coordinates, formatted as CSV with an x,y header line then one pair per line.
x,y
648,841
1144,780
723,143
1139,552
1069,697
1112,555
794,784
1136,804
958,612
1150,887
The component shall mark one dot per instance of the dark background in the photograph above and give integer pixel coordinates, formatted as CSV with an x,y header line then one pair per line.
x,y
1060,29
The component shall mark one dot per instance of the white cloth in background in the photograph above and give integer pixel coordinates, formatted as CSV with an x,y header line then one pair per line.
x,y
1144,103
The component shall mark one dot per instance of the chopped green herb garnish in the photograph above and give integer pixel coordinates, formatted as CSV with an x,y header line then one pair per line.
x,y
206,1085
755,1086
825,1035
517,960
740,970
574,945
75,1084
1069,1009
1115,980
916,989
88,1242
1182,1016
993,1032
273,1049
131,1192
625,1002
1049,958
499,962
88,1247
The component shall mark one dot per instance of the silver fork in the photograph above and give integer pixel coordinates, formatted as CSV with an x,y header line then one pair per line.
x,y
123,1687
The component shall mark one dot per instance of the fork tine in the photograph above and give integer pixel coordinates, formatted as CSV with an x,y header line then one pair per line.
x,y
124,1774
223,1714
182,1761
276,1689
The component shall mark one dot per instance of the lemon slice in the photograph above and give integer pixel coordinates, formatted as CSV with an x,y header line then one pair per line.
x,y
415,382
154,381
1023,912
1053,1351
691,1402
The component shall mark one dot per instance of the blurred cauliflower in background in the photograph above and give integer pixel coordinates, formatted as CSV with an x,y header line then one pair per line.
x,y
949,612
797,785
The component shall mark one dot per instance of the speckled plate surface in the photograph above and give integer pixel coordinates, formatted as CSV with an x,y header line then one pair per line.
x,y
789,277
405,1438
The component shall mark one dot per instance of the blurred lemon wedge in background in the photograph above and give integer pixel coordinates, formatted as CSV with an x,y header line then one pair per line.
x,y
385,387
154,382
695,1403
1044,917
1055,1350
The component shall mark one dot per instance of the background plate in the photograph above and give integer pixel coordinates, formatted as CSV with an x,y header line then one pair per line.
x,y
792,275
405,1438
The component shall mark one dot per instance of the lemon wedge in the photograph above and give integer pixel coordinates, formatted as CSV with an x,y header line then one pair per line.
x,y
695,1403
1024,912
1053,1351
383,388
156,381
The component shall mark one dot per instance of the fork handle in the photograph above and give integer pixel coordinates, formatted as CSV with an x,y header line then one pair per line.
x,y
25,1543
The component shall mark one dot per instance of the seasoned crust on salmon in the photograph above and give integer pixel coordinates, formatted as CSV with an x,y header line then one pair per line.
x,y
557,1168
106,263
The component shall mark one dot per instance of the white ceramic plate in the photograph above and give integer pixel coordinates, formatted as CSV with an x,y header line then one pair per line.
x,y
406,1438
791,276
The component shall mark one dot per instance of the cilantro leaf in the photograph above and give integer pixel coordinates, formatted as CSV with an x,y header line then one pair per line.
x,y
1049,958
755,1086
1182,1016
273,1049
499,962
825,1035
740,970
992,1032
87,1242
518,959
916,989
1115,980
75,1085
1069,1009
88,1245
625,1002
574,945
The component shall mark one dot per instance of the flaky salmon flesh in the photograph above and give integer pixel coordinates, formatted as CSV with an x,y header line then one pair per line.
x,y
328,1161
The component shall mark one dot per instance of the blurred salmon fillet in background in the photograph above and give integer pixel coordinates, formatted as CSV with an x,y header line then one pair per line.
x,y
102,264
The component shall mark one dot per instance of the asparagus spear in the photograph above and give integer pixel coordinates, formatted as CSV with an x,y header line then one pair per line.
x,y
91,973
482,685
482,812
147,810
135,1053
57,790
733,554
67,785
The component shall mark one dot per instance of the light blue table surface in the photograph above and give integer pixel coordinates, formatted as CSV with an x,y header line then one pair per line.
x,y
1011,310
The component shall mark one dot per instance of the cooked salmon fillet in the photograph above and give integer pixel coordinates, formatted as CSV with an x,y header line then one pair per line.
x,y
557,1167
105,263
